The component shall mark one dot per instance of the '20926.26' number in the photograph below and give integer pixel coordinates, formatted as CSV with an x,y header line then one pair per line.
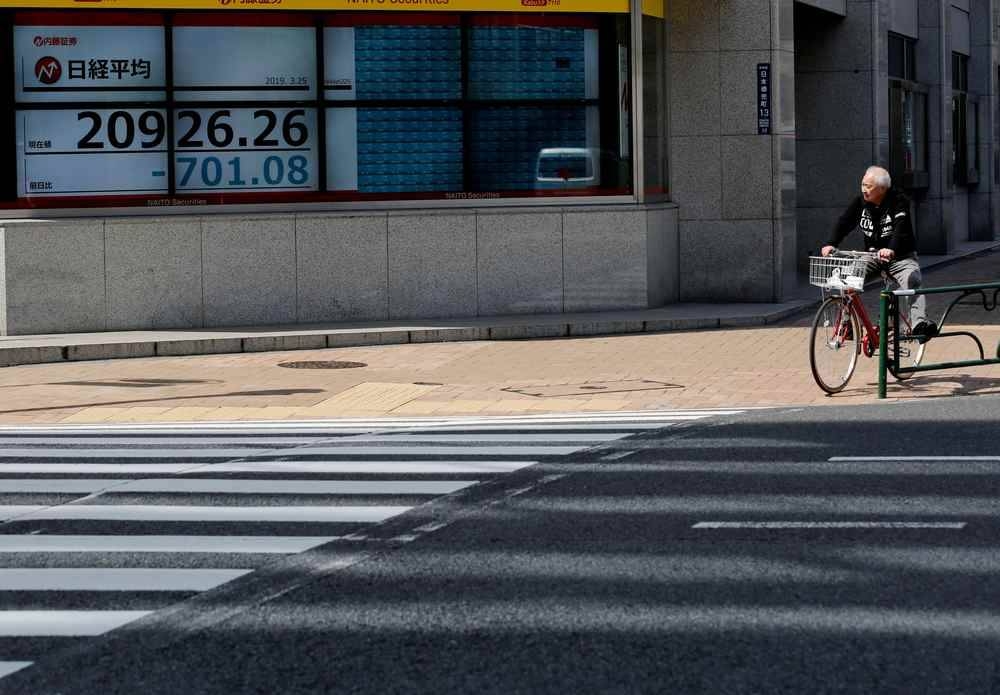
x,y
220,133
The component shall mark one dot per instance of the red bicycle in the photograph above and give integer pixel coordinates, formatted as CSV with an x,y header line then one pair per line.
x,y
842,330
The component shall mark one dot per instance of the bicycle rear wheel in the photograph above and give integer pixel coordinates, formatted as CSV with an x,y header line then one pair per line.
x,y
834,345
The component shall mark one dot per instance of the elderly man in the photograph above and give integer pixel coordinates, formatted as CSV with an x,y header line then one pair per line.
x,y
883,213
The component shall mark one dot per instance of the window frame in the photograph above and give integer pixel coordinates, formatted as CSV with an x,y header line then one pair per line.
x,y
625,190
961,104
899,86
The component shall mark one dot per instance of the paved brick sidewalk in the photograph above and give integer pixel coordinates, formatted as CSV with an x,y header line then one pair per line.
x,y
756,366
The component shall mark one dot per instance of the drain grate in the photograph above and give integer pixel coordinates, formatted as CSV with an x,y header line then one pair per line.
x,y
322,364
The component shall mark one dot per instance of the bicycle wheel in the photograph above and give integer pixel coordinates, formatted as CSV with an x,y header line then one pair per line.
x,y
834,345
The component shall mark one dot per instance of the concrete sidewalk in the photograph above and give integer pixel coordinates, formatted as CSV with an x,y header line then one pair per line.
x,y
684,356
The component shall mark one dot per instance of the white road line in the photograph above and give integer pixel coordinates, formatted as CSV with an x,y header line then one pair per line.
x,y
9,511
192,454
336,467
417,450
588,426
234,487
115,579
397,437
64,623
9,667
917,468
118,468
43,543
345,450
160,440
70,485
64,443
838,459
342,467
828,524
367,424
192,513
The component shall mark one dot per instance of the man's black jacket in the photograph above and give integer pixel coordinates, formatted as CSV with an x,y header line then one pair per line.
x,y
885,226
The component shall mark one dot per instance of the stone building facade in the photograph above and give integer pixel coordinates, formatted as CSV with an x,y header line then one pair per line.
x,y
717,142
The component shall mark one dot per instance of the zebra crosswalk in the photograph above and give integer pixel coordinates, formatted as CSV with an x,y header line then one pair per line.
x,y
103,525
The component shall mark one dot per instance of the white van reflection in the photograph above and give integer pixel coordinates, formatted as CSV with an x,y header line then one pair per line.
x,y
567,167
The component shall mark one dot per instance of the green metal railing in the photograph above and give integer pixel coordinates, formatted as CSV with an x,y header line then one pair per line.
x,y
889,306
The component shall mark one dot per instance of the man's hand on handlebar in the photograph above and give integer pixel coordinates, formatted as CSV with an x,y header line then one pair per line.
x,y
884,255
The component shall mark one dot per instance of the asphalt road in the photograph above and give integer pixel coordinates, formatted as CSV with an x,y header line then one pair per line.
x,y
812,550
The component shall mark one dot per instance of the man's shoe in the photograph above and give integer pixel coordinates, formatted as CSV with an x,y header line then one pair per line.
x,y
924,330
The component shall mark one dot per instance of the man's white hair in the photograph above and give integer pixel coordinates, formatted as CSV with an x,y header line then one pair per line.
x,y
880,175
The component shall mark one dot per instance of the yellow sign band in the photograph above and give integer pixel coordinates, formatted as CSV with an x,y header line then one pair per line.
x,y
654,8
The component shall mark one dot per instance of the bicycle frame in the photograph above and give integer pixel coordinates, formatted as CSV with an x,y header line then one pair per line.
x,y
870,339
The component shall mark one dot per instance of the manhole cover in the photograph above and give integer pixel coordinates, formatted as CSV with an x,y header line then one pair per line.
x,y
590,388
322,364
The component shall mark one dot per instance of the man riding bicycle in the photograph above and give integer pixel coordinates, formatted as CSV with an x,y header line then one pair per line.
x,y
883,214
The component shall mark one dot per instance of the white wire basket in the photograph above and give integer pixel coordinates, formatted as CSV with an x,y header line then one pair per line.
x,y
838,272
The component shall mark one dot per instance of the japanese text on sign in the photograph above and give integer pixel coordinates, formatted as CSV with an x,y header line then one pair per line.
x,y
763,98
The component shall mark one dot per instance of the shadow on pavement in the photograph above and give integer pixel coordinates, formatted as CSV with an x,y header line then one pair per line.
x,y
264,393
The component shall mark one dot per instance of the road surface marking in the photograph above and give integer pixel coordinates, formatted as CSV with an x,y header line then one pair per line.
x,y
150,512
98,467
42,543
367,424
463,467
828,524
396,437
9,667
231,486
378,450
64,623
842,459
115,579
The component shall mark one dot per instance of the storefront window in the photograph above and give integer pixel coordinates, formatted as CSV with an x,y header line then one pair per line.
x,y
340,106
393,91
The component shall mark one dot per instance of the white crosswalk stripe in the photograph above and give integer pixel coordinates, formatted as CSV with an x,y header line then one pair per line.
x,y
97,516
116,579
160,544
15,623
235,487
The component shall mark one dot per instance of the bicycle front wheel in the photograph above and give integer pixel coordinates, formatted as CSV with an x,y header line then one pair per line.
x,y
834,345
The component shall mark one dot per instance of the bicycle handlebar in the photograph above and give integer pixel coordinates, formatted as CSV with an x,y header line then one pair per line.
x,y
870,254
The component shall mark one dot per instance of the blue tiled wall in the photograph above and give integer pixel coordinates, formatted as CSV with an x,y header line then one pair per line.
x,y
409,149
526,63
420,149
406,62
506,142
